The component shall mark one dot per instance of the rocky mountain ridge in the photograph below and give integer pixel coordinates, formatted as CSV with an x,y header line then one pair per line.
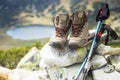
x,y
41,12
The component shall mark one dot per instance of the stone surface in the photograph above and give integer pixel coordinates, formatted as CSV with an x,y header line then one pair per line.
x,y
66,73
4,70
115,61
22,74
108,68
98,61
30,60
107,50
99,74
54,57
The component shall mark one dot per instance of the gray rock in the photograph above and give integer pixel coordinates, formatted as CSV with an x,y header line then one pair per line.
x,y
67,73
98,61
99,74
30,60
54,57
108,68
115,61
20,74
107,50
4,70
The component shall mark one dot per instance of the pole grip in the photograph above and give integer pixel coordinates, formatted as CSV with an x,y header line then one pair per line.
x,y
103,13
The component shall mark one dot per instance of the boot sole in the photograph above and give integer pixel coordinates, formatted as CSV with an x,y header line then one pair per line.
x,y
73,46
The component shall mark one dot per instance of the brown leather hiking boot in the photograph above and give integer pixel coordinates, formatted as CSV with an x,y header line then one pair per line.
x,y
79,35
61,24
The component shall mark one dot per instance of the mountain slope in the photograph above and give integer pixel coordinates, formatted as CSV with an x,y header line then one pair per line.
x,y
31,12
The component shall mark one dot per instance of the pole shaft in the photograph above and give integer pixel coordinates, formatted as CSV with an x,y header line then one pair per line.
x,y
90,52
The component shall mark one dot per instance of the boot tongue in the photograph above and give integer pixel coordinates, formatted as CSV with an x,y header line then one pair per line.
x,y
78,18
78,21
80,14
63,20
62,27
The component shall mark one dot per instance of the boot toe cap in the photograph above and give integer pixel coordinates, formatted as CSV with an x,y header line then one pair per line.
x,y
57,42
76,43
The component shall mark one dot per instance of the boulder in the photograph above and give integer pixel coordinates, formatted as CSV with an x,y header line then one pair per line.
x,y
108,68
98,61
4,70
61,66
31,60
66,73
115,61
23,74
107,50
54,57
99,74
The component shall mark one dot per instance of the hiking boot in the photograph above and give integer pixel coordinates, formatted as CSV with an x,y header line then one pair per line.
x,y
79,35
61,24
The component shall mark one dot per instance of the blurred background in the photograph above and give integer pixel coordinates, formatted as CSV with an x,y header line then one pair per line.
x,y
23,22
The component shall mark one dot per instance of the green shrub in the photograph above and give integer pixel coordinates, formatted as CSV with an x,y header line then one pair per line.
x,y
9,58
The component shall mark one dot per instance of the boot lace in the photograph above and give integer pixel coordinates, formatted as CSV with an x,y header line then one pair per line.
x,y
76,31
61,32
77,28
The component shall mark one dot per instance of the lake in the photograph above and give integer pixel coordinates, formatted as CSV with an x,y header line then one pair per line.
x,y
31,32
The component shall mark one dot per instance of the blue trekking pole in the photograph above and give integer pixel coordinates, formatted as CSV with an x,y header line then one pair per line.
x,y
103,14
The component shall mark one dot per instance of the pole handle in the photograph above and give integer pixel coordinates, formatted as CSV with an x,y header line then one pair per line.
x,y
103,13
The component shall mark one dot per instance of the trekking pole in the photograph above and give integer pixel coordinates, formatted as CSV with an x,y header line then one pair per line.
x,y
110,33
85,66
